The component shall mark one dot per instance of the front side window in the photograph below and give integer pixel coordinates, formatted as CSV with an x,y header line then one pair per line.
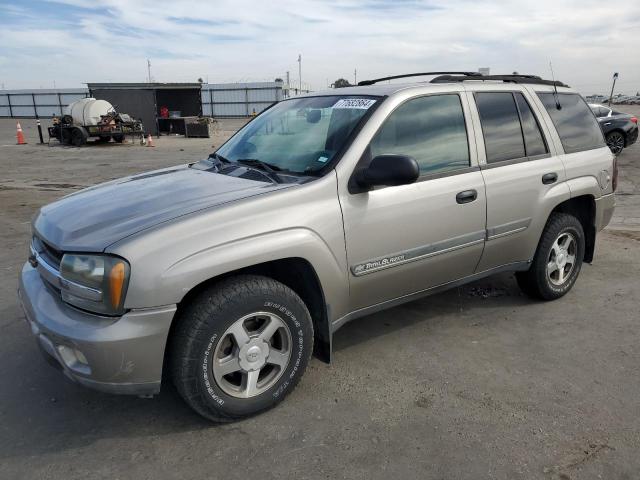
x,y
300,135
574,121
430,129
500,126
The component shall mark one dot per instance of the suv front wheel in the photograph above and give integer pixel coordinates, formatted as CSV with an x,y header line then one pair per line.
x,y
240,347
557,261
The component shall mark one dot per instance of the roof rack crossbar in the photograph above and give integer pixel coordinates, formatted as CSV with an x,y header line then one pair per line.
x,y
527,79
408,75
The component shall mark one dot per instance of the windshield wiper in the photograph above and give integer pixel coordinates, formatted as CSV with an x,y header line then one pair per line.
x,y
217,156
263,166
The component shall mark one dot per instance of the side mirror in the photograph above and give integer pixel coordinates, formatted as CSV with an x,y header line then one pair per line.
x,y
388,170
313,116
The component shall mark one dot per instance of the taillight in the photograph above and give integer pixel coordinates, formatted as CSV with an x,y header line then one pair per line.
x,y
614,177
634,120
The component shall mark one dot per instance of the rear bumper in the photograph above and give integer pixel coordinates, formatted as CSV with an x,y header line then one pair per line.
x,y
632,136
605,205
117,355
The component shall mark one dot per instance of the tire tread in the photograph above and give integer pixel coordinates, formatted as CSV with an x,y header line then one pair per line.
x,y
192,328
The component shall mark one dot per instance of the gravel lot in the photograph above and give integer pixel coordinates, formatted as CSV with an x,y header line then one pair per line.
x,y
478,382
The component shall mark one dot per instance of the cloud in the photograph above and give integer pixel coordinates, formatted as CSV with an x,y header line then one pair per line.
x,y
74,41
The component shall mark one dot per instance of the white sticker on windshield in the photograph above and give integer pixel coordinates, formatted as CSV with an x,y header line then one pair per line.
x,y
363,103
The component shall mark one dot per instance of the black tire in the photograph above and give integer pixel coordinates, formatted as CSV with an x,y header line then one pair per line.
x,y
536,282
118,138
202,325
65,136
616,142
77,138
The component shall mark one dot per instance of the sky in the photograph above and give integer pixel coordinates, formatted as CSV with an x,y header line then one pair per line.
x,y
66,43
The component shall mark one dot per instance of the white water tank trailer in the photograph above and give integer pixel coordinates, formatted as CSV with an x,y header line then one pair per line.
x,y
95,119
88,111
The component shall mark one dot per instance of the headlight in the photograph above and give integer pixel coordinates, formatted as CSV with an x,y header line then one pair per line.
x,y
97,283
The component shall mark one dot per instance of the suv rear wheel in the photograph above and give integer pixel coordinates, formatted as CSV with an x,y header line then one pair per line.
x,y
557,261
240,347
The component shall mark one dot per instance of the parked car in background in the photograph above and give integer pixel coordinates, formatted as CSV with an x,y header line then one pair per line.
x,y
620,129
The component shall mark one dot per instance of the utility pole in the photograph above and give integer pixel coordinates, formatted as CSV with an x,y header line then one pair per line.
x,y
300,72
355,76
288,85
615,77
148,71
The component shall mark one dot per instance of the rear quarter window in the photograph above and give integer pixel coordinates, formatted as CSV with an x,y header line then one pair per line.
x,y
575,122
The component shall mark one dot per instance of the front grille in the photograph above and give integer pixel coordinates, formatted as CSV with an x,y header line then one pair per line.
x,y
52,256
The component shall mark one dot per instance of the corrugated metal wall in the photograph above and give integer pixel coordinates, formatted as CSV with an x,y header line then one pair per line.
x,y
218,99
43,103
239,99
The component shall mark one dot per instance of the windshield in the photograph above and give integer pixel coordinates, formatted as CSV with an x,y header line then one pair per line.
x,y
300,135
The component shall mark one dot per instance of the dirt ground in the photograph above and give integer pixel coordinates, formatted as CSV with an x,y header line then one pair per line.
x,y
478,382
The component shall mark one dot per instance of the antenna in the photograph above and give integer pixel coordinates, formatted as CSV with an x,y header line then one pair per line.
x,y
555,88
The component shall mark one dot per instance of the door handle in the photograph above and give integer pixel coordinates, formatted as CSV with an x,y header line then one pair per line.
x,y
466,196
608,123
549,178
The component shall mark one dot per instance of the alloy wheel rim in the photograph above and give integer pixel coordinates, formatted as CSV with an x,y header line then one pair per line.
x,y
562,259
615,142
252,355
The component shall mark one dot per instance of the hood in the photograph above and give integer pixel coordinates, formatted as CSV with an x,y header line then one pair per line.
x,y
94,218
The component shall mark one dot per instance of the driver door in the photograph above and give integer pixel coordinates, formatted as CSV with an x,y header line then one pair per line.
x,y
404,239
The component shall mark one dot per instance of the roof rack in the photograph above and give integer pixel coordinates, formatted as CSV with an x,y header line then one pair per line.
x,y
530,79
448,77
407,75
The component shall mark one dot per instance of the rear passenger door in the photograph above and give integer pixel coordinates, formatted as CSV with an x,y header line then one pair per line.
x,y
522,175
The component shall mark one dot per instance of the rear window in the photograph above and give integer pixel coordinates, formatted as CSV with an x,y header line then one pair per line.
x,y
575,123
533,139
500,126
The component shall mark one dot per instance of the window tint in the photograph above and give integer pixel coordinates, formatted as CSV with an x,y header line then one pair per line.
x,y
430,129
600,111
533,140
574,122
500,126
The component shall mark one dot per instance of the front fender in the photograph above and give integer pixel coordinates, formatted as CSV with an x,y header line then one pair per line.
x,y
158,278
303,243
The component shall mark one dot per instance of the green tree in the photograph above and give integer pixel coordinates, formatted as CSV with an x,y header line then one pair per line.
x,y
340,83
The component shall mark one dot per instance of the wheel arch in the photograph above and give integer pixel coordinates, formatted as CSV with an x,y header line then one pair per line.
x,y
583,207
295,272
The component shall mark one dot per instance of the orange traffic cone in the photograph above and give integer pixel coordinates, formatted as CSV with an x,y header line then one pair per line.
x,y
20,135
150,141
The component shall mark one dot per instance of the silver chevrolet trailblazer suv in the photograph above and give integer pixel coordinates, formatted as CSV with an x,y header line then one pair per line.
x,y
225,274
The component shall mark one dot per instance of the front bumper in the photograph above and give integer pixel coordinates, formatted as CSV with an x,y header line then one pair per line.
x,y
605,205
116,355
